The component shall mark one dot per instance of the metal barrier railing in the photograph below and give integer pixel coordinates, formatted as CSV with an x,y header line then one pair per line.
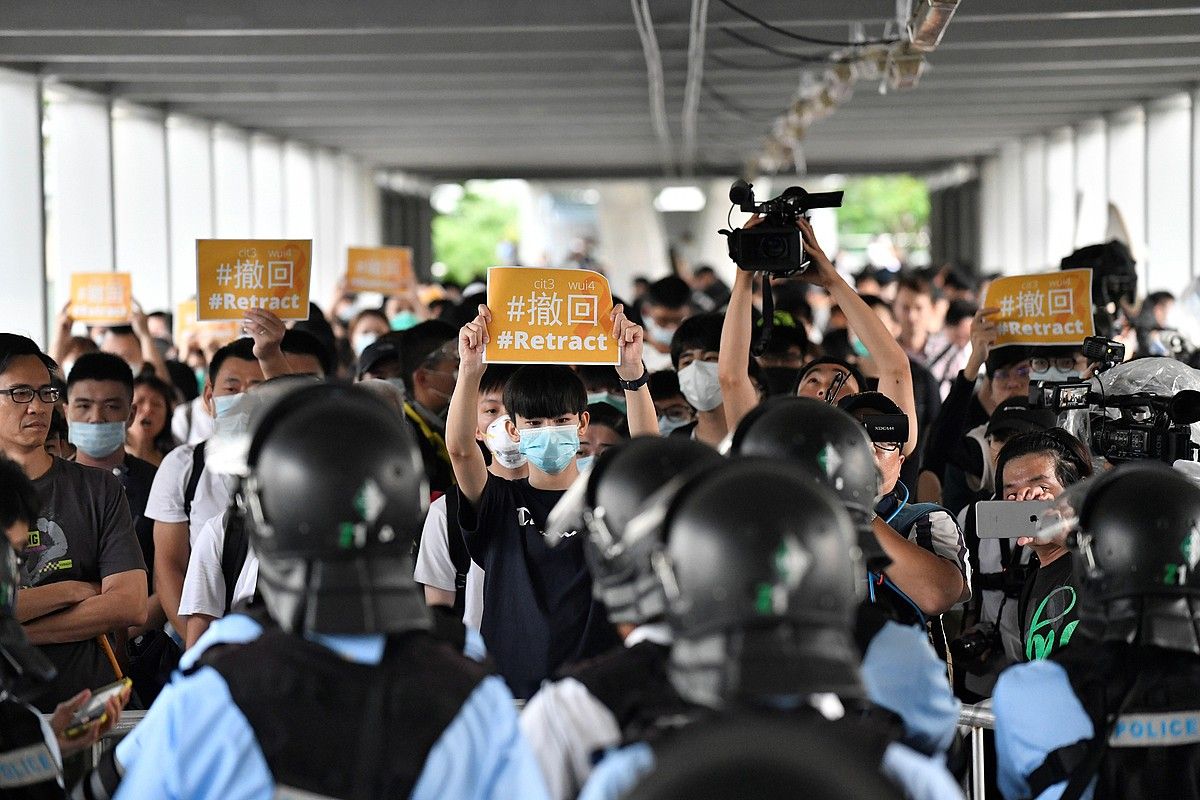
x,y
977,718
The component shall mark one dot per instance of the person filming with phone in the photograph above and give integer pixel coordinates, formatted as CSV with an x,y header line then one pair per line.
x,y
1039,467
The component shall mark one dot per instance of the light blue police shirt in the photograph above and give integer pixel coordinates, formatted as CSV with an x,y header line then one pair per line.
x,y
1037,712
903,674
195,743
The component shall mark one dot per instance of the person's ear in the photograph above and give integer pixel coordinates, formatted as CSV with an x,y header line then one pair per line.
x,y
208,400
902,456
584,419
511,428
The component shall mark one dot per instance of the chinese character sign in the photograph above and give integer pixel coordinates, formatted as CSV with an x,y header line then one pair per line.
x,y
101,298
1051,309
224,331
549,316
387,270
235,275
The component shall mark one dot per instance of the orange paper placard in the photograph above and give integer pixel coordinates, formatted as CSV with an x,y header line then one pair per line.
x,y
222,331
235,275
387,270
101,298
1054,308
549,316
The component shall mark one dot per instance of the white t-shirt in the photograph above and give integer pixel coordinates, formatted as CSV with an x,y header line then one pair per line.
x,y
204,585
191,423
165,503
434,567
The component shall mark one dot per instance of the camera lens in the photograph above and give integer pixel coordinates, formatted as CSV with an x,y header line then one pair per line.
x,y
774,246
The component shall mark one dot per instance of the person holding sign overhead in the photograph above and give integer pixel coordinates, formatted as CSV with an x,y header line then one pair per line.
x,y
538,611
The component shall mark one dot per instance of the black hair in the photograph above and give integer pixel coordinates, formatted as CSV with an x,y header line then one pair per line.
x,y
703,271
1157,298
121,330
14,345
791,297
1071,460
961,281
164,442
59,426
854,371
543,391
783,338
19,501
317,325
183,378
368,312
303,343
960,310
671,292
418,343
164,315
874,301
664,384
599,378
495,378
242,349
101,367
605,415
701,332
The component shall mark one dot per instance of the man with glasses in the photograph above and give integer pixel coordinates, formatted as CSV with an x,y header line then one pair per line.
x,y
83,574
930,572
429,364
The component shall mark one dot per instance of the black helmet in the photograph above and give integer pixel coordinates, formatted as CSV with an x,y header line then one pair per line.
x,y
829,443
603,502
334,496
1139,552
760,581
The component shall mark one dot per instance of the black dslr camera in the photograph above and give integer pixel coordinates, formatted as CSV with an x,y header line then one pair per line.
x,y
775,245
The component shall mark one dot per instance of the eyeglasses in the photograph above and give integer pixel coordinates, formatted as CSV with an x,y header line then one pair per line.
x,y
886,447
678,414
1007,374
1065,364
25,394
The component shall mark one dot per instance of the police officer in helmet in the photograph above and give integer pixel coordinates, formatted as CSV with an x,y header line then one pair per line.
x,y
760,576
602,702
338,690
901,670
1117,716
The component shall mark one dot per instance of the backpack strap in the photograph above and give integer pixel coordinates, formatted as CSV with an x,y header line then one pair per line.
x,y
233,556
908,514
458,552
189,490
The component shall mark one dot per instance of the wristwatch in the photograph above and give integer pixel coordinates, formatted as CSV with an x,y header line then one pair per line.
x,y
633,386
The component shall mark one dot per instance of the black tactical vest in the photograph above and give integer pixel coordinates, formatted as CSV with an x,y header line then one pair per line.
x,y
27,767
1154,749
333,728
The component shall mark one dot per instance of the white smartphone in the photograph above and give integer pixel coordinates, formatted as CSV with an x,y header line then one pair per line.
x,y
1004,519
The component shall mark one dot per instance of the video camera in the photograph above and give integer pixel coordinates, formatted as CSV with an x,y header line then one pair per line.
x,y
1062,396
775,245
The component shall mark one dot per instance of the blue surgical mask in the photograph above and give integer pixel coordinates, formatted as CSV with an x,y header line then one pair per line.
x,y
97,439
666,425
616,401
550,449
404,320
225,403
584,463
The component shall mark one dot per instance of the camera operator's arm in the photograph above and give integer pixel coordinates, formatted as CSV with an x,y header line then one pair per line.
x,y
733,361
929,580
895,378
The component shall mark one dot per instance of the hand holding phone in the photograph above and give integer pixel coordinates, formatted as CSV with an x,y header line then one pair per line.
x,y
1006,519
81,720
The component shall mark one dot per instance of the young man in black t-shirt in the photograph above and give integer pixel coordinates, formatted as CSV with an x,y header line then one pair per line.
x,y
83,574
538,611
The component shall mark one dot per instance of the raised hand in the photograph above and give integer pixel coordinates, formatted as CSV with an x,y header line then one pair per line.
x,y
630,340
471,340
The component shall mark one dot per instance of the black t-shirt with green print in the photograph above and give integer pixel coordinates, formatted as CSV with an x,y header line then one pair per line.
x,y
1049,609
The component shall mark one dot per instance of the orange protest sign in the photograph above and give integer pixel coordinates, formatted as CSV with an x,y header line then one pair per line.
x,y
549,316
235,275
1054,308
101,298
222,331
387,270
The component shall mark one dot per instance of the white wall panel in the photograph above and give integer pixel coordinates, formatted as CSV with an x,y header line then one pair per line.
x,y
266,187
1060,195
1127,179
992,208
140,198
1033,205
22,272
190,198
1091,182
1013,232
328,257
1168,193
231,183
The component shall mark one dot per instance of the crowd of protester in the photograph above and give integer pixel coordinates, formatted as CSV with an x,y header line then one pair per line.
x,y
141,550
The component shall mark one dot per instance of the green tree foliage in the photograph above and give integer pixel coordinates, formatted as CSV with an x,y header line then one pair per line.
x,y
884,204
465,240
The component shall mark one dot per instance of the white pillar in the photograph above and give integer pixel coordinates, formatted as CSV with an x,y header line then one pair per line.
x,y
1013,232
22,269
1091,182
266,187
140,197
992,209
631,239
1060,195
1033,205
190,199
1168,193
232,213
1127,179
328,260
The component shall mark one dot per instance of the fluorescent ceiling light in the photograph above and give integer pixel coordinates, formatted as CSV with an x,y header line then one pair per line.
x,y
680,198
928,22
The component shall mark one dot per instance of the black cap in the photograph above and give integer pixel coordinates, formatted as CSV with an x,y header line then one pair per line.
x,y
873,401
375,354
1015,416
1005,356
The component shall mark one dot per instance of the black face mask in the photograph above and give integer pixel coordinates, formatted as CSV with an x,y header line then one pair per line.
x,y
780,380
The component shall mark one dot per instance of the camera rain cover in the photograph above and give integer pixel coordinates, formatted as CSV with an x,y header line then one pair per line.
x,y
1162,377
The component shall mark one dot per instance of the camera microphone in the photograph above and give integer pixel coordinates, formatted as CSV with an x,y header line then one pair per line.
x,y
1185,407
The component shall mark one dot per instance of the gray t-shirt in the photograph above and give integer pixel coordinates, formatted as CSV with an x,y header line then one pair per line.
x,y
84,533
